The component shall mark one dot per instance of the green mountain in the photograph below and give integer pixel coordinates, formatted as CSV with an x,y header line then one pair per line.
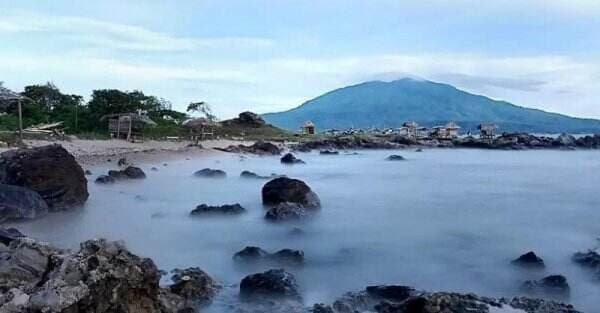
x,y
389,104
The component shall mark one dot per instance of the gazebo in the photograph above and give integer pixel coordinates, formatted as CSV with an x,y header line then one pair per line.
x,y
128,126
201,128
8,96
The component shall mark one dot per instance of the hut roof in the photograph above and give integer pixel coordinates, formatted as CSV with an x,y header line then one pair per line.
x,y
410,124
308,124
134,116
487,126
452,125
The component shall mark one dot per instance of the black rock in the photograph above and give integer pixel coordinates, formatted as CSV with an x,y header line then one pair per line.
x,y
250,254
328,152
287,211
252,175
321,308
275,283
529,260
291,159
285,189
588,259
19,203
51,171
553,286
227,209
131,172
395,157
9,234
105,179
154,168
390,292
88,172
194,284
256,254
122,162
288,256
210,173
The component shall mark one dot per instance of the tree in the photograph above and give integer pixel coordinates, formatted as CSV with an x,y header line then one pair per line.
x,y
202,108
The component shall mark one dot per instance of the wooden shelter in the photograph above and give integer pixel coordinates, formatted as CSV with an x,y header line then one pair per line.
x,y
486,130
448,131
308,128
128,126
7,97
411,129
201,128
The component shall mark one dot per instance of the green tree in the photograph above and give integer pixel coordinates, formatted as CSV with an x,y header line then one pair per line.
x,y
202,108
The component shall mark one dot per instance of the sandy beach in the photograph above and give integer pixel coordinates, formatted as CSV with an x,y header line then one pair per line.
x,y
91,152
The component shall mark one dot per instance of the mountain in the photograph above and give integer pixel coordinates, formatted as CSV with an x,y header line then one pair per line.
x,y
389,104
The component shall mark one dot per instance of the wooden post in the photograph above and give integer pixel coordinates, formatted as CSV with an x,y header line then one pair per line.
x,y
20,119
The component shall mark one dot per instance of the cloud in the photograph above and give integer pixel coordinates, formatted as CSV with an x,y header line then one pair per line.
x,y
118,36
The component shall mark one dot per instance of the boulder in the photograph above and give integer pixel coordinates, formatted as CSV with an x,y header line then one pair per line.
x,y
291,159
193,284
250,118
395,157
87,172
529,260
252,175
555,286
329,152
130,172
122,162
7,235
287,211
227,209
210,173
105,179
51,171
256,254
285,189
275,283
590,260
19,203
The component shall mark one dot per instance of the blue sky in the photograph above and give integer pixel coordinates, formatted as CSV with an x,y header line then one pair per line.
x,y
273,55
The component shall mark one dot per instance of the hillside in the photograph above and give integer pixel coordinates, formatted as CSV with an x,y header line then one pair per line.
x,y
389,104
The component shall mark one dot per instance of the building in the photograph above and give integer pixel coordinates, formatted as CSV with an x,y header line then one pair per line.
x,y
410,129
486,130
201,128
128,126
448,131
308,128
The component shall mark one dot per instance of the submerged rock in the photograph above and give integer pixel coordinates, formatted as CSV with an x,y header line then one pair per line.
x,y
130,172
529,260
88,172
590,260
19,203
260,148
227,209
210,173
275,283
252,175
286,211
256,254
555,286
105,179
51,171
329,152
291,159
122,162
193,284
395,157
285,189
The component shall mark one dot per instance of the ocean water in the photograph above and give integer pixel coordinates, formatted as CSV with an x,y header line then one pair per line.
x,y
448,220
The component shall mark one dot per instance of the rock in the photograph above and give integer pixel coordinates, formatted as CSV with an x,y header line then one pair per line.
x,y
395,157
275,283
250,118
122,162
252,175
50,171
553,286
210,173
194,284
390,292
105,179
3,144
566,140
285,189
227,209
102,277
260,148
7,235
291,159
418,150
256,254
287,211
328,152
590,260
154,169
131,172
529,260
321,308
19,203
88,172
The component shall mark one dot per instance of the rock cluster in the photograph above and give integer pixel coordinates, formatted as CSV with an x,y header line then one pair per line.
x,y
227,209
256,254
590,260
289,199
260,148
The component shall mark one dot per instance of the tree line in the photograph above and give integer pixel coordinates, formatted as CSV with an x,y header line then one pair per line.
x,y
47,104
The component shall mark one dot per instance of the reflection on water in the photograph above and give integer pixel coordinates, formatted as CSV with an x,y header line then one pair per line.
x,y
442,220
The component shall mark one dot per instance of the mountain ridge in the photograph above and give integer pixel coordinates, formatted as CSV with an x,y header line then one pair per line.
x,y
389,104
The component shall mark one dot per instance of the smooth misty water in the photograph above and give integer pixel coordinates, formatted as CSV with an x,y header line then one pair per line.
x,y
442,220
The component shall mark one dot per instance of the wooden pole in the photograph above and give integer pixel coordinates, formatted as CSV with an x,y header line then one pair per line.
x,y
20,119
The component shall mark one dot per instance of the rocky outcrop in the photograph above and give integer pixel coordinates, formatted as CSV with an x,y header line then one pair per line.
x,y
105,179
291,159
19,203
102,277
210,173
347,143
50,171
256,254
275,283
529,260
554,286
260,148
9,234
130,172
227,209
589,260
285,189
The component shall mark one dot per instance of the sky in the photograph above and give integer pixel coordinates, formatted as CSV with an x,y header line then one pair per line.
x,y
267,56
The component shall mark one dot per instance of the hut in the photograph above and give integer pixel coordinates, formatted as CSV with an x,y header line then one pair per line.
x,y
486,130
201,128
308,128
7,97
448,131
128,126
411,130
